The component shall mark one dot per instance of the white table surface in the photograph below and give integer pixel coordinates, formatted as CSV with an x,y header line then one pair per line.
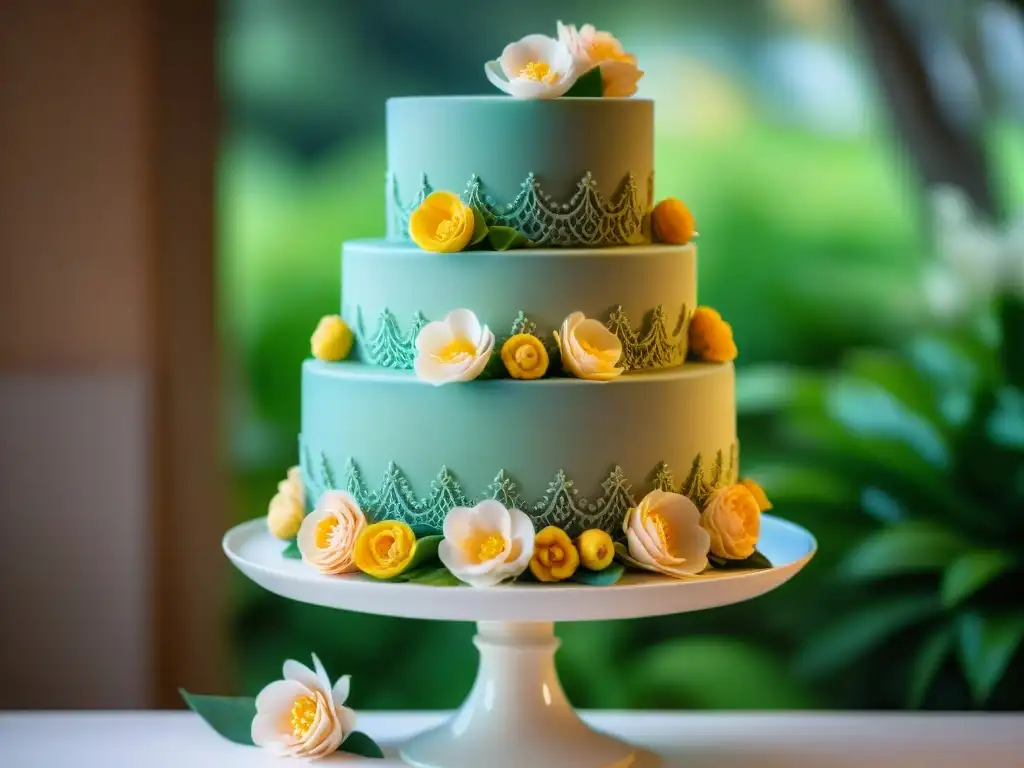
x,y
790,740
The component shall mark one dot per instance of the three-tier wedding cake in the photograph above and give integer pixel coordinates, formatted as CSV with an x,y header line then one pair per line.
x,y
520,373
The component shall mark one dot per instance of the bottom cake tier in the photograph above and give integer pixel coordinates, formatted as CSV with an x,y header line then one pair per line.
x,y
568,452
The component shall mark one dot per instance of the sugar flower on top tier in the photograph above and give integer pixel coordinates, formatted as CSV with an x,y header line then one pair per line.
x,y
536,67
664,535
454,349
303,715
486,544
589,350
591,47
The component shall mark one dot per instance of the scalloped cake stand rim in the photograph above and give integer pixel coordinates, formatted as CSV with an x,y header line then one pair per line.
x,y
252,549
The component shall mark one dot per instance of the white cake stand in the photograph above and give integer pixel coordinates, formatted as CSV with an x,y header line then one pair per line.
x,y
516,715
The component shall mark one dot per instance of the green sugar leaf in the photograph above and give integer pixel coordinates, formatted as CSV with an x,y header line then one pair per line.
x,y
230,716
602,578
480,229
292,550
358,743
506,238
756,561
589,84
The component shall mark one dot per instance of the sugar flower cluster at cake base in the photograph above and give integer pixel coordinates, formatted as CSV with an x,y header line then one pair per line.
x,y
578,62
489,544
301,715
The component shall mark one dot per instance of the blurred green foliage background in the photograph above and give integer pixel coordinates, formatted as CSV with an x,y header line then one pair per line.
x,y
815,234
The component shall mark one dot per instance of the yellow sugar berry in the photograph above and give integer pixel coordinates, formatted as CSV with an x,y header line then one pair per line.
x,y
672,222
596,549
332,339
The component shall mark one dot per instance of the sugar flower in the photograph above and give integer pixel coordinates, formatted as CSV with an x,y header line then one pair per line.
x,y
672,222
328,535
332,339
555,557
664,535
536,67
596,549
442,223
710,337
288,506
385,549
591,48
486,544
589,350
454,349
524,356
732,517
303,715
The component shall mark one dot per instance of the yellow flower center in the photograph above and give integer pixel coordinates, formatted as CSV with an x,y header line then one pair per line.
x,y
481,548
386,550
539,71
324,531
526,357
589,348
662,530
303,715
444,229
454,350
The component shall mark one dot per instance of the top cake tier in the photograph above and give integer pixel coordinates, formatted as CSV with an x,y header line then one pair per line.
x,y
564,172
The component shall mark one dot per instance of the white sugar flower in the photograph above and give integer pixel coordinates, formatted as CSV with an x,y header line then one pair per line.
x,y
327,537
536,67
302,715
664,535
589,350
591,47
454,349
487,544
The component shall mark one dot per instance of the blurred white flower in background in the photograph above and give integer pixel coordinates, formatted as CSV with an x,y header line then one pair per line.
x,y
976,261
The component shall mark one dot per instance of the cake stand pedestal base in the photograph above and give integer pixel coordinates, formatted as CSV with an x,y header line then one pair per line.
x,y
517,714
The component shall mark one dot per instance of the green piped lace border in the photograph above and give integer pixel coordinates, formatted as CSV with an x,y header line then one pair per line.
x,y
649,346
586,219
560,505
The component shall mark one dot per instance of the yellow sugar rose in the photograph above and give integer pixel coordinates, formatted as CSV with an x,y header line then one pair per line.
x,y
596,549
385,549
554,556
758,493
672,222
524,356
442,223
710,336
288,506
732,518
332,339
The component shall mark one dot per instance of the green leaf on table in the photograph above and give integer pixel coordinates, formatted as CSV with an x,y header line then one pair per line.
x,y
756,561
987,644
358,743
971,572
915,546
506,238
480,229
926,665
230,716
589,84
863,630
603,578
292,550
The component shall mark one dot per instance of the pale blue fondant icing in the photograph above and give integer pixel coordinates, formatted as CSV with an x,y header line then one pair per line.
x,y
572,451
508,147
396,287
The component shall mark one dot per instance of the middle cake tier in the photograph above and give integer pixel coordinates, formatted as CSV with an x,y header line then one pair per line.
x,y
568,452
644,294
